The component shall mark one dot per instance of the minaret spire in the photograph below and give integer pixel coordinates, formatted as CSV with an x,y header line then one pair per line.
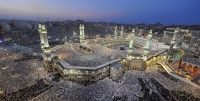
x,y
132,35
175,35
82,34
45,38
122,31
115,33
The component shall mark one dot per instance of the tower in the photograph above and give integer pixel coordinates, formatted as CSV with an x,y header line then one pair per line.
x,y
82,35
115,34
174,37
41,36
44,36
173,41
147,46
132,35
165,35
122,31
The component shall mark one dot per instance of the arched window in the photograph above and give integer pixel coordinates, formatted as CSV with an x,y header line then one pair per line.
x,y
189,67
195,69
183,66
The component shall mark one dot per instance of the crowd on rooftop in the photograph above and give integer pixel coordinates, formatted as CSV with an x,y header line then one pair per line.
x,y
100,55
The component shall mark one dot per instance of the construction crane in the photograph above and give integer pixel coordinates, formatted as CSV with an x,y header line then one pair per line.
x,y
38,18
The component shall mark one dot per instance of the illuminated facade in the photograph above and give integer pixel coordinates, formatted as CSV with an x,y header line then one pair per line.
x,y
189,66
113,69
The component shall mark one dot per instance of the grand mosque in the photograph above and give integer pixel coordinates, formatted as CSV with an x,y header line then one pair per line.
x,y
135,56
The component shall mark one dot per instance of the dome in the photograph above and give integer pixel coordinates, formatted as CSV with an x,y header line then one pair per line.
x,y
84,48
53,54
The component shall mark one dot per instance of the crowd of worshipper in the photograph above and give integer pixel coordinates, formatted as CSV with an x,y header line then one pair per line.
x,y
27,92
24,74
163,72
175,95
106,90
100,55
171,84
19,69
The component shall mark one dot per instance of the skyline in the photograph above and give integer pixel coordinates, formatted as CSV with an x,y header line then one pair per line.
x,y
129,12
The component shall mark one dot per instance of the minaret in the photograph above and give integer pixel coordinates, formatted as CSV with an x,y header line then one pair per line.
x,y
147,46
82,35
83,31
165,35
174,37
44,35
132,35
115,34
41,36
122,31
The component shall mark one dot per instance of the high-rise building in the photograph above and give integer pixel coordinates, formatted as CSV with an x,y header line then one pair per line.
x,y
16,34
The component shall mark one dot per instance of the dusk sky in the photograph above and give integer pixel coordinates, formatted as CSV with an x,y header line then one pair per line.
x,y
120,11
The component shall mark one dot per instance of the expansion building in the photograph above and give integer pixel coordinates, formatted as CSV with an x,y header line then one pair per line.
x,y
191,44
170,34
189,66
135,60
